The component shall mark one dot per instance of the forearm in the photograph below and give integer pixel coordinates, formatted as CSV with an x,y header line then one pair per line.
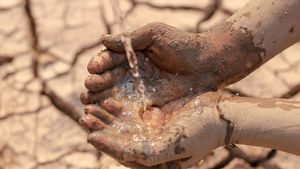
x,y
274,25
250,38
273,123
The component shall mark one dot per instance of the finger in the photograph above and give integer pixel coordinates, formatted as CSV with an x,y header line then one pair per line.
x,y
91,123
97,83
100,113
112,106
91,98
104,61
140,38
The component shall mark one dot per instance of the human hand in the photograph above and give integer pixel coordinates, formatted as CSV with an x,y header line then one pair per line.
x,y
195,67
185,61
160,86
177,135
171,66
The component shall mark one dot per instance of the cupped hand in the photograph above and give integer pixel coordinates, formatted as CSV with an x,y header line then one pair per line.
x,y
174,65
161,86
182,61
172,55
176,135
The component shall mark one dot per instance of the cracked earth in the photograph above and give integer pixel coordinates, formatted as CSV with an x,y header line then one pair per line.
x,y
44,49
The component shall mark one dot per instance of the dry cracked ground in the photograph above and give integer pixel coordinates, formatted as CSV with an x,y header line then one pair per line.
x,y
44,49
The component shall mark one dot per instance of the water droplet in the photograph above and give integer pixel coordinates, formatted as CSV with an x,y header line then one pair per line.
x,y
137,137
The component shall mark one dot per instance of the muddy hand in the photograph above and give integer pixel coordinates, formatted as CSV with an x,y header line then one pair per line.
x,y
187,61
171,136
160,86
173,61
169,48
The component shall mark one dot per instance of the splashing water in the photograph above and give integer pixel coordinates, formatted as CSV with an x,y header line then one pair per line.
x,y
130,54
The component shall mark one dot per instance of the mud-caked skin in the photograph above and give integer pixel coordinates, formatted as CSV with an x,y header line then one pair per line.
x,y
159,84
182,123
176,67
185,61
177,136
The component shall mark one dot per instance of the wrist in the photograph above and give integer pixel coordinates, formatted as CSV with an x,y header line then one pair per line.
x,y
225,131
221,128
272,123
227,46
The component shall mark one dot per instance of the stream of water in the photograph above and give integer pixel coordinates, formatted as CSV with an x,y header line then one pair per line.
x,y
131,56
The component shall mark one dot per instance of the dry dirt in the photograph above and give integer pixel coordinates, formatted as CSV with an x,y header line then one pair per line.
x,y
50,42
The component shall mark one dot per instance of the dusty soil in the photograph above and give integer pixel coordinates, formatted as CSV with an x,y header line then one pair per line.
x,y
44,49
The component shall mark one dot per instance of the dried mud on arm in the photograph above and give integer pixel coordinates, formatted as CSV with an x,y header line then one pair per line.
x,y
270,123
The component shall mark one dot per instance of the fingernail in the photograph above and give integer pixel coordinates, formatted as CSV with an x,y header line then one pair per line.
x,y
91,123
93,66
84,98
88,108
112,105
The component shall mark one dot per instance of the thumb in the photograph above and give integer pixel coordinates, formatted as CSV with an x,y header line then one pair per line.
x,y
140,38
